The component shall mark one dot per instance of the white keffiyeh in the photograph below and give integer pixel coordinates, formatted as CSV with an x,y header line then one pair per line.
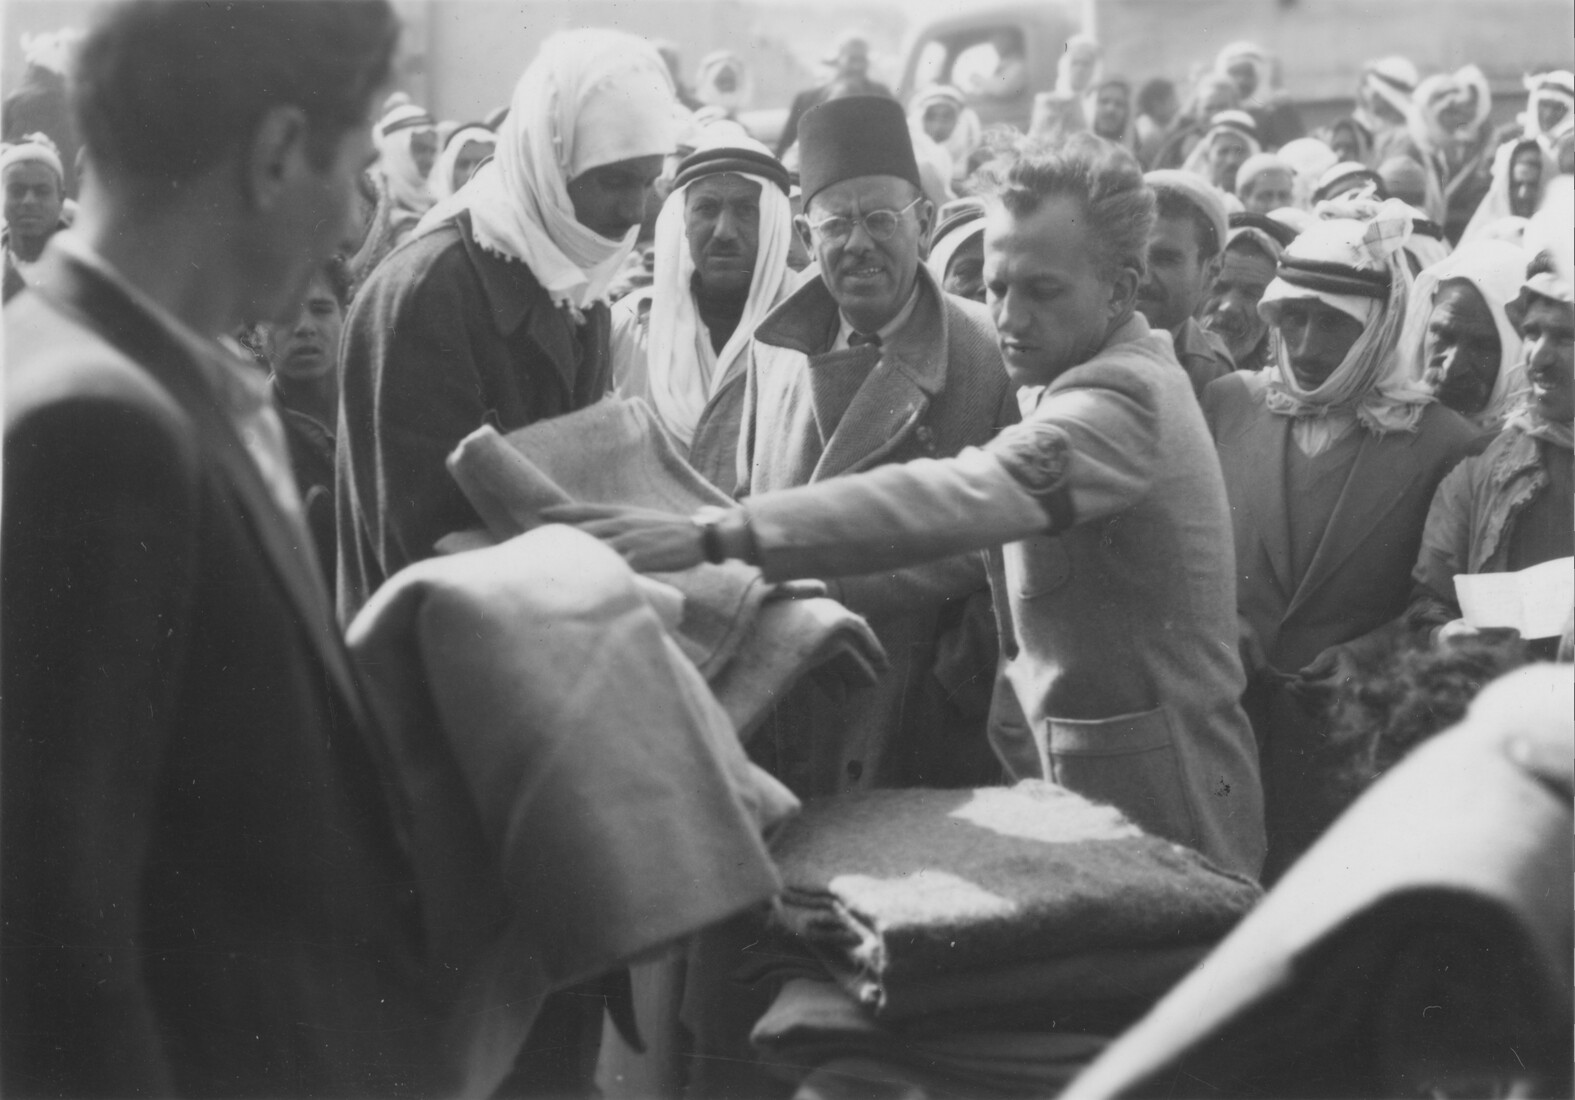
x,y
591,97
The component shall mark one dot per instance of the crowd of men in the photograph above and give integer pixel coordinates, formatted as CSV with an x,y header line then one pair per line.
x,y
1133,437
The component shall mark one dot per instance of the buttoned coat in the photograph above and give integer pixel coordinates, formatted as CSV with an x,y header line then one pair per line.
x,y
1357,580
936,387
1115,574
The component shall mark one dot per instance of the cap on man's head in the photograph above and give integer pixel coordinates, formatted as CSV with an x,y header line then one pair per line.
x,y
737,159
861,135
38,148
1198,192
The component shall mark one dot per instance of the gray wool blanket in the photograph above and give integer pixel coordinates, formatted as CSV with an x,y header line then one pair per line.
x,y
752,640
915,898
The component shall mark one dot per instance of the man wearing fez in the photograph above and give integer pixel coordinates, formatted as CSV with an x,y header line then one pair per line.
x,y
870,364
1117,577
722,242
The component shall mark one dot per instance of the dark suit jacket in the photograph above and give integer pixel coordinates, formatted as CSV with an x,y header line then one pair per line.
x,y
1357,581
205,888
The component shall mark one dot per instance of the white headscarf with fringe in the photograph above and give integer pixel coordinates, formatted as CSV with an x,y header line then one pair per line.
x,y
441,181
590,98
1374,385
965,137
1497,270
392,137
682,369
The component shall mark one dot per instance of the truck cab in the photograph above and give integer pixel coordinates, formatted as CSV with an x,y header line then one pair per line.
x,y
964,48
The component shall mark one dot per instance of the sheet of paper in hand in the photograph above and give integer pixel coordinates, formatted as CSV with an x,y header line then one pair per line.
x,y
1535,601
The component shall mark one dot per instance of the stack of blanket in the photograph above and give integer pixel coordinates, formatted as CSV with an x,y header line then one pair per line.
x,y
750,639
989,938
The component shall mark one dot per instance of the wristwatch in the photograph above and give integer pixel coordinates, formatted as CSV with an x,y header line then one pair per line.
x,y
709,521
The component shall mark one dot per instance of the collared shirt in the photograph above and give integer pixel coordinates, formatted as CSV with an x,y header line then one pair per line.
x,y
240,388
845,327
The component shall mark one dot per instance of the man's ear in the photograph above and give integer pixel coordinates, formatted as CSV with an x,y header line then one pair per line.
x,y
1123,292
926,226
801,226
277,151
1211,270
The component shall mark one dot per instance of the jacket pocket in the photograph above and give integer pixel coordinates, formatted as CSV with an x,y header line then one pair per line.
x,y
1037,565
1129,761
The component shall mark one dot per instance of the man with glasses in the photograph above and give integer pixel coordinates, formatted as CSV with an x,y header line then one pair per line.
x,y
872,363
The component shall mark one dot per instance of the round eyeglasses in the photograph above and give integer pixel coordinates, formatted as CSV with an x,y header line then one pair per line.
x,y
879,224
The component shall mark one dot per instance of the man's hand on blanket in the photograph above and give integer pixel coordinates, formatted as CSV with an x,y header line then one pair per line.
x,y
650,541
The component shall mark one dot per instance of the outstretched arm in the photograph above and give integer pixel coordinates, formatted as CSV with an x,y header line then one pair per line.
x,y
1087,454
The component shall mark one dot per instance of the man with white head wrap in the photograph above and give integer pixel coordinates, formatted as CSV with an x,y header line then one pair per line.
x,y
495,312
1309,158
723,82
721,265
956,256
942,114
1383,102
406,142
1253,70
1253,247
34,185
1550,107
1229,142
1451,138
1513,506
1330,459
462,154
1520,175
1459,330
1265,183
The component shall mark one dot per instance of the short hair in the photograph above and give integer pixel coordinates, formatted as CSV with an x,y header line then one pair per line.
x,y
1104,178
1153,93
1174,204
166,89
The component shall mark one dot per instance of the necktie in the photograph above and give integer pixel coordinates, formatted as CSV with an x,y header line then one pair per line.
x,y
859,339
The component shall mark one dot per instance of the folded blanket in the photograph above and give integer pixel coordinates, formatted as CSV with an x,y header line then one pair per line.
x,y
751,648
813,1023
575,796
902,892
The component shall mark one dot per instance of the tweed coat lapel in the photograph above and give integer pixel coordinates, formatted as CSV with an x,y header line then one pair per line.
x,y
82,293
1384,471
894,397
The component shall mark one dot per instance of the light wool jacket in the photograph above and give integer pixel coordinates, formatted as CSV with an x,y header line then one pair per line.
x,y
810,415
1117,577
